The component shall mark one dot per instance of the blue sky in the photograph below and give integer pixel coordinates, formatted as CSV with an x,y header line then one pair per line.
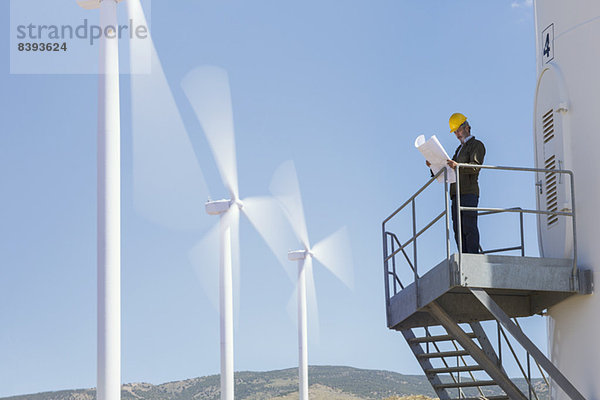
x,y
343,90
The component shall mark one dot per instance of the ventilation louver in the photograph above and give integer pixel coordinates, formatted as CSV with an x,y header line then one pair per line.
x,y
551,191
550,163
548,126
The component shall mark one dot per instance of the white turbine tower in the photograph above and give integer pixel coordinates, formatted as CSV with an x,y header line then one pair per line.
x,y
207,89
565,132
164,167
109,206
333,252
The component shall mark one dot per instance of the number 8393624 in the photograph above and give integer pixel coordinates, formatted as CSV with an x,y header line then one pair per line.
x,y
42,46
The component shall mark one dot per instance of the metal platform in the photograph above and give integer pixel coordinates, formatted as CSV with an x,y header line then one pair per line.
x,y
522,286
440,309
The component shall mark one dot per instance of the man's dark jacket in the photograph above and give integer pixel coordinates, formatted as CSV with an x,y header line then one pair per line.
x,y
472,152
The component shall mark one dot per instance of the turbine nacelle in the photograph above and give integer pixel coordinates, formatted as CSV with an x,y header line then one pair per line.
x,y
218,207
92,4
297,255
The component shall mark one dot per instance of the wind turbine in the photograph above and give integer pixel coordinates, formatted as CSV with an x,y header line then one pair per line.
x,y
168,182
208,91
333,252
109,206
156,172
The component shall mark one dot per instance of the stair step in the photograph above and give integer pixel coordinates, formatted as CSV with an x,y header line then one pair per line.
x,y
444,354
464,368
438,338
464,384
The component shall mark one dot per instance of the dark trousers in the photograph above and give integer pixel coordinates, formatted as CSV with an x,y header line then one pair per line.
x,y
469,230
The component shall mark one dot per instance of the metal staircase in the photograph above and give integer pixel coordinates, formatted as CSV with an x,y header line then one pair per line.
x,y
439,312
450,369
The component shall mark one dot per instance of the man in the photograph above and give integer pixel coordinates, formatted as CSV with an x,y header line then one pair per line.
x,y
470,151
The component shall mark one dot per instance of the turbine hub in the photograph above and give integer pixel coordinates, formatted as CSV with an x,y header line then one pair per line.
x,y
239,203
217,207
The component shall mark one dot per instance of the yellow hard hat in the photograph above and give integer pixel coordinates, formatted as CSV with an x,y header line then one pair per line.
x,y
456,120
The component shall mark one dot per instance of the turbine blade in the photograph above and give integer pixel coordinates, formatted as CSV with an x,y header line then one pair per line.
x,y
267,217
335,253
311,299
232,219
204,258
314,327
286,189
207,89
292,306
168,185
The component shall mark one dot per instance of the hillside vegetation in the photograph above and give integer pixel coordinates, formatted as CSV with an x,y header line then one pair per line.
x,y
326,383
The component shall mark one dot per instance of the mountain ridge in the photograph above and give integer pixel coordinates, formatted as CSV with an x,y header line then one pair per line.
x,y
326,382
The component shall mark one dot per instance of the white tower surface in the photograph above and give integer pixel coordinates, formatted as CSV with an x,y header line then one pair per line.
x,y
567,119
300,256
109,207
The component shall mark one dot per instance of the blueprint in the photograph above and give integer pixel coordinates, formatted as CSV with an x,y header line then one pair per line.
x,y
434,152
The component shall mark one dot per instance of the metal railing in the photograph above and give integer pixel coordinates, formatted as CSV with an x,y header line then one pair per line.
x,y
527,375
387,256
521,211
393,247
502,338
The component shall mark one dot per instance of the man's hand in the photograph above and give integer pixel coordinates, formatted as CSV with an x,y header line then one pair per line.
x,y
452,164
427,163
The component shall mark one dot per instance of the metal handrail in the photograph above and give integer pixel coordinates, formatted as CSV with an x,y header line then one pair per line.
x,y
414,266
416,235
520,210
395,250
539,212
500,250
526,375
407,202
395,239
539,367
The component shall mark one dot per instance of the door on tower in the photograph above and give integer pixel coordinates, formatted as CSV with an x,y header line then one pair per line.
x,y
551,142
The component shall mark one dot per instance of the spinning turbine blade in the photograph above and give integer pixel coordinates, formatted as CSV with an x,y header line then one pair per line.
x,y
233,220
314,327
207,89
267,217
311,300
286,189
292,305
168,185
335,253
205,261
